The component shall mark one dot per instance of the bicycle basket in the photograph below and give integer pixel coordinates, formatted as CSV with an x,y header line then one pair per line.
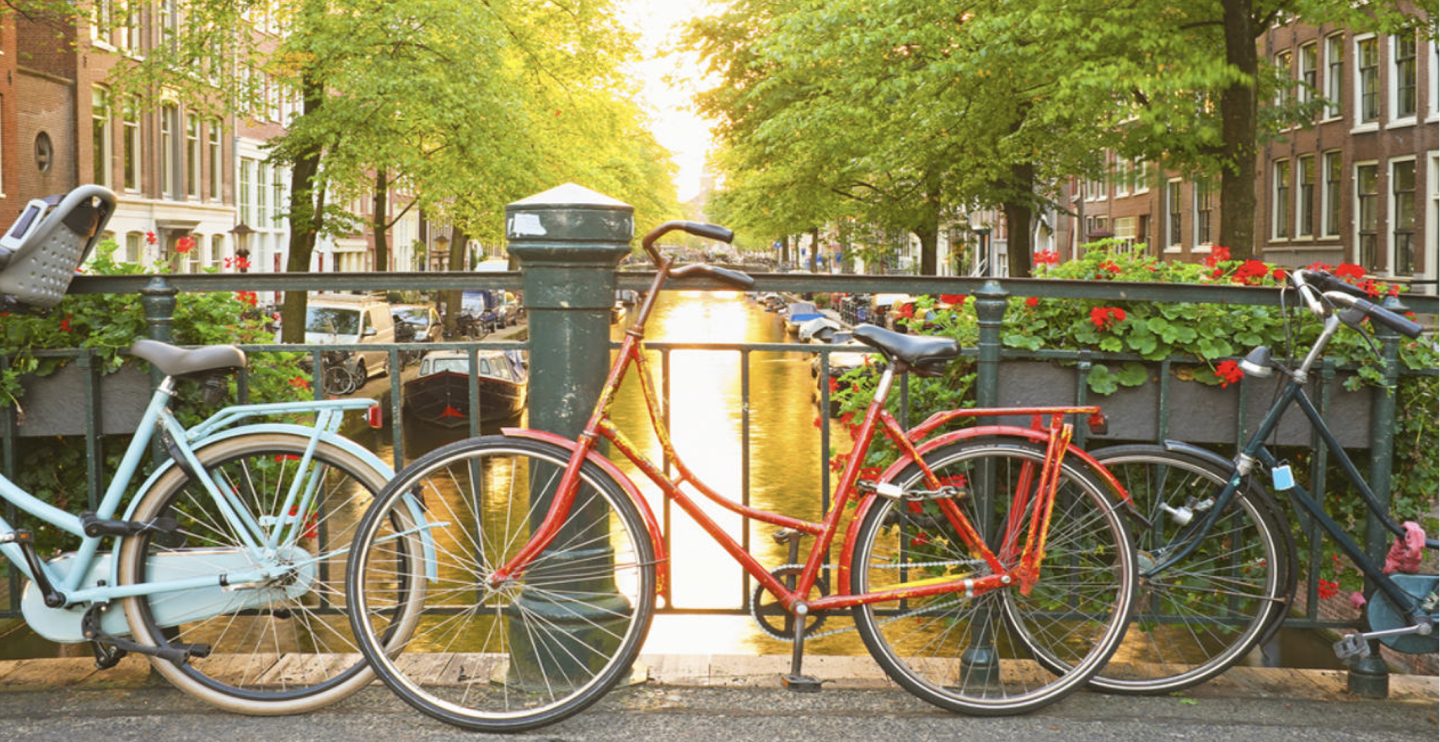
x,y
40,252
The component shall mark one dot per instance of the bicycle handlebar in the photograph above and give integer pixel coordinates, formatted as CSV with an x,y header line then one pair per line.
x,y
1309,282
716,232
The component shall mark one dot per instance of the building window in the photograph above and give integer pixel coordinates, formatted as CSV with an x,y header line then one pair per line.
x,y
192,156
100,135
1367,215
243,192
1142,176
1402,217
1403,81
1334,74
215,256
1305,197
1286,88
1174,237
1124,177
101,22
1334,171
134,247
1280,203
217,166
132,143
262,197
1367,78
277,204
1125,229
169,117
1309,72
1204,205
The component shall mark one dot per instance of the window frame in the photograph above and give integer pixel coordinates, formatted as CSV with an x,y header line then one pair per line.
x,y
217,161
1403,80
1360,197
1305,177
1203,198
1367,87
1174,216
131,122
100,135
1281,173
1334,76
1332,199
1402,203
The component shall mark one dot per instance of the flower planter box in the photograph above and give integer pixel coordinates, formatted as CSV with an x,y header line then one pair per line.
x,y
1198,413
57,405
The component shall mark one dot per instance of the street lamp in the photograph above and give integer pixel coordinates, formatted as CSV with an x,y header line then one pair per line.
x,y
242,232
984,234
442,250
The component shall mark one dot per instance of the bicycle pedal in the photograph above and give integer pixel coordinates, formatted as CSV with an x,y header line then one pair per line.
x,y
800,683
1352,647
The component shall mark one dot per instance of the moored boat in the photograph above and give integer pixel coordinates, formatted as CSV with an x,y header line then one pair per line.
x,y
440,392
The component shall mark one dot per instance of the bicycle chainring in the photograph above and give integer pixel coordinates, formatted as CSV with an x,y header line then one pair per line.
x,y
776,622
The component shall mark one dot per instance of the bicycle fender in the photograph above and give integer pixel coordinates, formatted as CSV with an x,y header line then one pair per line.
x,y
847,549
662,560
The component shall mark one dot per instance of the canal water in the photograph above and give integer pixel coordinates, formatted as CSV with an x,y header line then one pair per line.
x,y
708,414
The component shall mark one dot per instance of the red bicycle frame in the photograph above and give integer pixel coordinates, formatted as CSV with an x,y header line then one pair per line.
x,y
1018,558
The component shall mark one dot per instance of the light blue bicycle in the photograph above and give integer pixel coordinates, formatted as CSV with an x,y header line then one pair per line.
x,y
226,564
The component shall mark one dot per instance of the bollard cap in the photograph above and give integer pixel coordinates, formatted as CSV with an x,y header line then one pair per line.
x,y
569,213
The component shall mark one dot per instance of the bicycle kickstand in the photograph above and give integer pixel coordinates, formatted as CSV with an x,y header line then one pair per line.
x,y
796,680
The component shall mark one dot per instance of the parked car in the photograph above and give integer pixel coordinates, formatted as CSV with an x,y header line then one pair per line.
x,y
336,319
417,323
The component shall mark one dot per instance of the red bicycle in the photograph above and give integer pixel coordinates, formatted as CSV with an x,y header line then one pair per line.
x,y
987,569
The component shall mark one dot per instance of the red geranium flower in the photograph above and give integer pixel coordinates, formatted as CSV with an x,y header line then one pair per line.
x,y
953,298
1105,318
1032,301
1229,373
1047,257
1218,254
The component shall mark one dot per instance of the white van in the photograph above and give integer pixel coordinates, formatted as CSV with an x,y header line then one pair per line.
x,y
343,318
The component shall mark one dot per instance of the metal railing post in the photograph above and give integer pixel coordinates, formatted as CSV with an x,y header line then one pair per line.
x,y
1370,677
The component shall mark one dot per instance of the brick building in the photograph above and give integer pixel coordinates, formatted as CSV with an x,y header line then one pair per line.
x,y
178,168
1360,184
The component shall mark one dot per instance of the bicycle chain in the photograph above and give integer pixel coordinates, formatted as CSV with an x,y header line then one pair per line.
x,y
899,616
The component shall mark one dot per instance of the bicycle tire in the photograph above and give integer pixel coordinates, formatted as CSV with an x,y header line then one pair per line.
x,y
541,646
338,380
1203,615
977,655
275,648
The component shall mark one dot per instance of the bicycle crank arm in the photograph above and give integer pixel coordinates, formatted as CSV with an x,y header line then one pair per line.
x,y
1357,646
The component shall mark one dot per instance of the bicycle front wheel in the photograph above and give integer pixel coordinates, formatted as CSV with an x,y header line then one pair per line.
x,y
536,647
995,653
280,646
1200,616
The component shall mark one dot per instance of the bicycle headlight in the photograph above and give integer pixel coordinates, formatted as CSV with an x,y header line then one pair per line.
x,y
1257,363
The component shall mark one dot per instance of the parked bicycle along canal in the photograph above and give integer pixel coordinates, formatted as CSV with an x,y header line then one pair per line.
x,y
707,414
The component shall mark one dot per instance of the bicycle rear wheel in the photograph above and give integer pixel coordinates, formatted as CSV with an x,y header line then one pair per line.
x,y
278,647
989,654
540,646
1202,615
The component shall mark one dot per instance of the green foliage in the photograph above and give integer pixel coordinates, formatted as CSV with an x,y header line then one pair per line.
x,y
1207,335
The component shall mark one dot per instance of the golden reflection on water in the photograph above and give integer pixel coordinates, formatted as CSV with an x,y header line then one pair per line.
x,y
707,420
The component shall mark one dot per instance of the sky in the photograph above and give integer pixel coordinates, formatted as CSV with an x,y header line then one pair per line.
x,y
676,125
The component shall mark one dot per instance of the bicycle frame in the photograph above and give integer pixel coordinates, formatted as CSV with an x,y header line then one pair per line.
x,y
71,582
1016,560
1255,451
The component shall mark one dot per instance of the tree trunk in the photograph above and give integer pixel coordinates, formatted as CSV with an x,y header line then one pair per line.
x,y
382,244
307,208
815,250
456,259
928,231
1019,241
1238,108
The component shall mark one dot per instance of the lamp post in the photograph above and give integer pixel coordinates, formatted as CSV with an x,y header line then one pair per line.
x,y
242,232
984,234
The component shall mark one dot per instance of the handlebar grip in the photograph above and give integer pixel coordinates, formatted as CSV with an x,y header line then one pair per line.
x,y
735,278
709,231
1331,283
1388,318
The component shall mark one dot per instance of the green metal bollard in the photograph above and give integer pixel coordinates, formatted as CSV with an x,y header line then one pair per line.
x,y
568,241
